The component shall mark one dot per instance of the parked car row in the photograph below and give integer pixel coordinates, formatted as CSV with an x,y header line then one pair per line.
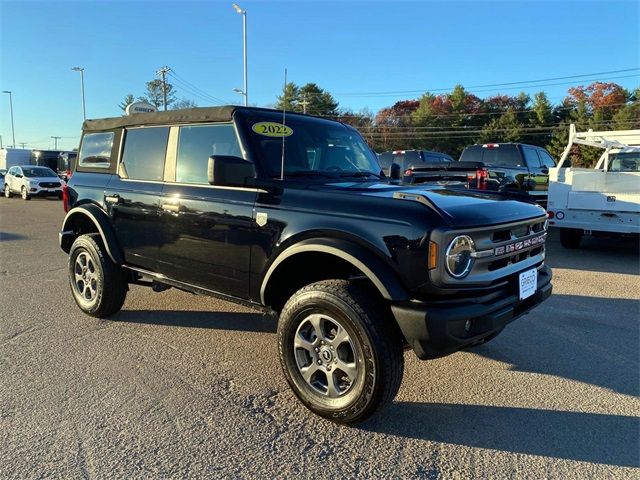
x,y
516,168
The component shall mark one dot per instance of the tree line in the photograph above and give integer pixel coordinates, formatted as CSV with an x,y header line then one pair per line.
x,y
451,121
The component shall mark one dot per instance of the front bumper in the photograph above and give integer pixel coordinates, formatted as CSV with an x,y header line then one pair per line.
x,y
45,192
437,329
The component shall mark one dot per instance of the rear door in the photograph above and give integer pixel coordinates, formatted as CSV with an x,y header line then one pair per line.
x,y
132,197
209,229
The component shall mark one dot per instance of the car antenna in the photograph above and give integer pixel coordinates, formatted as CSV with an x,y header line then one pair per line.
x,y
284,117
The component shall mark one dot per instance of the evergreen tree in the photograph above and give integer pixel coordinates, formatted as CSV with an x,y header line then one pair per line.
x,y
128,100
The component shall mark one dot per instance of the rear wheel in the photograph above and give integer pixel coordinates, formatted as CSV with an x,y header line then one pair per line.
x,y
570,237
99,286
7,191
341,355
24,193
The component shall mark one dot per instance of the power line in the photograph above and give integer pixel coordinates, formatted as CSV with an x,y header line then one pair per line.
x,y
444,89
194,90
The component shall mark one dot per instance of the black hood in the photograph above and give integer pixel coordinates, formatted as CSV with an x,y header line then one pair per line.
x,y
457,206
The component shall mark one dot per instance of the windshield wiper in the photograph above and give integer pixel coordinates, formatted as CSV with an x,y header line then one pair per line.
x,y
360,174
309,173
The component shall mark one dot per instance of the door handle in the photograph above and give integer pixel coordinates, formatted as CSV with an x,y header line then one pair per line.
x,y
113,198
171,207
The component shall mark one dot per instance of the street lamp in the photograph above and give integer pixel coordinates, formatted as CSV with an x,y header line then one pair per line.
x,y
81,70
241,92
244,33
13,133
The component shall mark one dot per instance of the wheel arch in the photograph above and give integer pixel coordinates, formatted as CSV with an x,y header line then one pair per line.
x,y
90,218
331,255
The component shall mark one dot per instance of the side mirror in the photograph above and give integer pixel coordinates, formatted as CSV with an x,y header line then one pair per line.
x,y
226,170
394,171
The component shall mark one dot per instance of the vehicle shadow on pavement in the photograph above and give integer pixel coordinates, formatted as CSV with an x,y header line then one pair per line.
x,y
7,236
588,437
239,321
587,339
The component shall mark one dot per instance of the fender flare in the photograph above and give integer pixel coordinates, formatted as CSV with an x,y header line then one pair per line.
x,y
99,218
376,270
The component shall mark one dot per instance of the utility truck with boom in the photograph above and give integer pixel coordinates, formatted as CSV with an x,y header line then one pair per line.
x,y
603,199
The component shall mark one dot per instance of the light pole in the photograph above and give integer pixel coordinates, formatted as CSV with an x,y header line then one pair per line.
x,y
242,12
81,70
13,133
241,92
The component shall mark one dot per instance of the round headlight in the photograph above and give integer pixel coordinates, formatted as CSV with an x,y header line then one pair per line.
x,y
458,256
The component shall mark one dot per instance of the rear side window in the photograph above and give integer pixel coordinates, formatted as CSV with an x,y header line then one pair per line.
x,y
531,157
546,159
144,153
95,151
197,143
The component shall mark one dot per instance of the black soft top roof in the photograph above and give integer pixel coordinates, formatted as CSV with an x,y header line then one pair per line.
x,y
187,115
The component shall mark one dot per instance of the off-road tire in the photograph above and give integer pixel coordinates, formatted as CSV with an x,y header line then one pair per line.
x,y
111,280
570,238
24,194
375,337
7,191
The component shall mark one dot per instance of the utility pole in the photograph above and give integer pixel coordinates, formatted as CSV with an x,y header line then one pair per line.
x,y
163,74
304,104
55,139
22,144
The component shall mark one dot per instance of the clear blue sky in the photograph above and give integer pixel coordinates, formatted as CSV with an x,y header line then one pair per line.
x,y
346,47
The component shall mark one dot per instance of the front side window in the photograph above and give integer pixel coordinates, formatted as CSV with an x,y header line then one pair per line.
x,y
144,153
196,143
547,160
95,151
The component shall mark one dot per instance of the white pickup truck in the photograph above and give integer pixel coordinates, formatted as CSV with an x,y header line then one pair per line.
x,y
605,198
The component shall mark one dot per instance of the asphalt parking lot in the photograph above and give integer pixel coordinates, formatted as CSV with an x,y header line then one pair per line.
x,y
177,385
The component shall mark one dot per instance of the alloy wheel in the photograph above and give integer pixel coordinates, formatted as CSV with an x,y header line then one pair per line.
x,y
86,277
325,355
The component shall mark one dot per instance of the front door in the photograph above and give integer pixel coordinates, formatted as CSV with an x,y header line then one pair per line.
x,y
208,230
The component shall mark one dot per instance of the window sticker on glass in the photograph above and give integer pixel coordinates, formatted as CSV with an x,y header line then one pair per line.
x,y
271,129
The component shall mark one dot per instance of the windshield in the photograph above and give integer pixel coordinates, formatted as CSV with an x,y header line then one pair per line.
x,y
312,146
625,162
38,172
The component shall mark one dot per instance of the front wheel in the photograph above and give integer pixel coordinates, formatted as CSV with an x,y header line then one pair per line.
x,y
25,194
99,286
570,237
340,353
7,191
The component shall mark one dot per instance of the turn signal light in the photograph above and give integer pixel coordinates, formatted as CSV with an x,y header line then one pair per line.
x,y
433,255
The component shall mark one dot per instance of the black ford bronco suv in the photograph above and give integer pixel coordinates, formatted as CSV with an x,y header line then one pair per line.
x,y
293,215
